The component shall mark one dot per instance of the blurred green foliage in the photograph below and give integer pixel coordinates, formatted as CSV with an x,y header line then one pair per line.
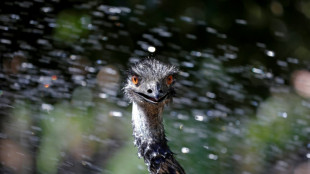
x,y
72,25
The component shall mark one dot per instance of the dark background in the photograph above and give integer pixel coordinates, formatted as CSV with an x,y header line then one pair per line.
x,y
242,94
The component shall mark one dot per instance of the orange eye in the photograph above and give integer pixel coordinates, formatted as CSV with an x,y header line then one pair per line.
x,y
134,80
169,79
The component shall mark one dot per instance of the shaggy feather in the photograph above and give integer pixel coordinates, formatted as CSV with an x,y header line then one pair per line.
x,y
147,121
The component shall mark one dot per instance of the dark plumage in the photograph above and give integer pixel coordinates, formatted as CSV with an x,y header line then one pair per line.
x,y
149,87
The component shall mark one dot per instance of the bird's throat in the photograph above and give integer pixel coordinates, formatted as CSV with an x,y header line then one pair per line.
x,y
147,122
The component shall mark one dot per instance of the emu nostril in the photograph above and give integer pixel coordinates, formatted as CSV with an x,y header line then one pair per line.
x,y
149,91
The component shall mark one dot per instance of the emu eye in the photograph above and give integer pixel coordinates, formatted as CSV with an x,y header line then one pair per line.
x,y
134,80
169,79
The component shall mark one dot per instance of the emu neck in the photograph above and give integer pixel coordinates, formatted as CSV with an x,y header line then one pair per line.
x,y
148,122
149,134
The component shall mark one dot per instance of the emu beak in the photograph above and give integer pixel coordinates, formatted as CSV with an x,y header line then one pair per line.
x,y
156,98
157,95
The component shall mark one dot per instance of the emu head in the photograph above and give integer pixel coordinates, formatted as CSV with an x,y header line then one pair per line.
x,y
150,82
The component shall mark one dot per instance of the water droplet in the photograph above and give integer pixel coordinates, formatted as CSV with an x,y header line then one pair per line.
x,y
213,157
5,41
224,150
186,19
282,63
199,117
188,64
103,95
211,30
151,49
185,150
116,114
292,60
181,126
47,107
241,21
284,115
83,83
210,95
191,36
261,45
115,10
270,53
46,9
196,53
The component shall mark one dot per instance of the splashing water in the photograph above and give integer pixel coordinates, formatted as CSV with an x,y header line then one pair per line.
x,y
242,93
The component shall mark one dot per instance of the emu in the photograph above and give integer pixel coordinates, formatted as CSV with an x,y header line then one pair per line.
x,y
150,86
